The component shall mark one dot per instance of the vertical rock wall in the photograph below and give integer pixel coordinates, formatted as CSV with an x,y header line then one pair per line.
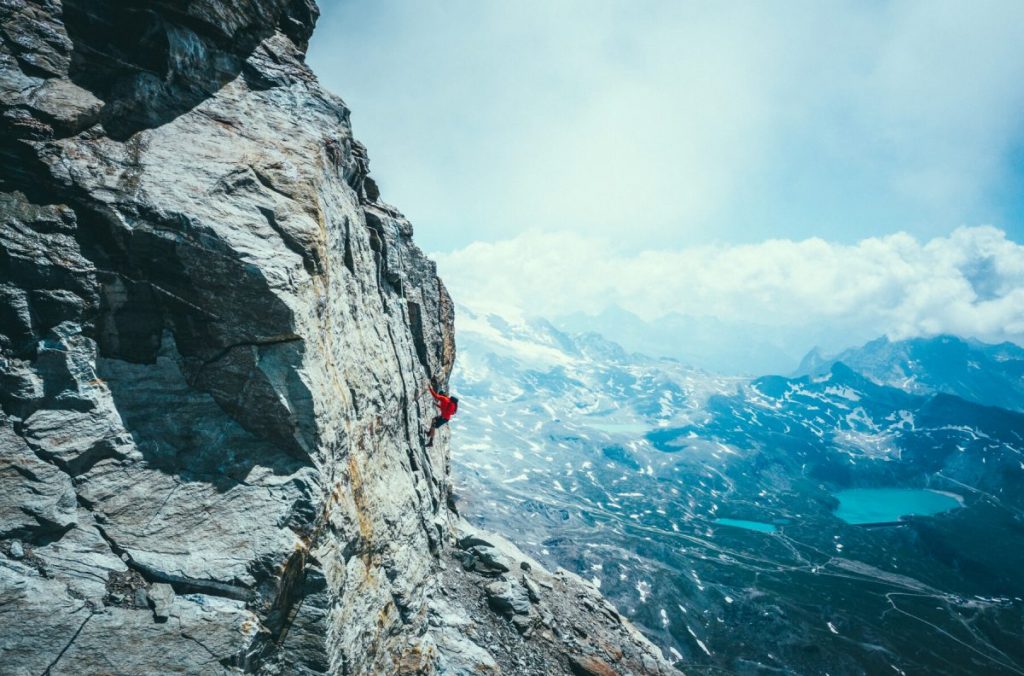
x,y
213,340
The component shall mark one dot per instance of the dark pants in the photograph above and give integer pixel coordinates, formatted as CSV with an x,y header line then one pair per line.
x,y
434,425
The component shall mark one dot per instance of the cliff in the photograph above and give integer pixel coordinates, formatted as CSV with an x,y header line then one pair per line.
x,y
214,338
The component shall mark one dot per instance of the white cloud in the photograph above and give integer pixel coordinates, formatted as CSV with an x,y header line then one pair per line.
x,y
970,283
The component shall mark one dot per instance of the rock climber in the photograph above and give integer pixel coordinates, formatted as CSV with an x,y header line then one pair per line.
x,y
447,405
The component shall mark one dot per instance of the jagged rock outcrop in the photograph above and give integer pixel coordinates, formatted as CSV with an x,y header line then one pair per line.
x,y
213,342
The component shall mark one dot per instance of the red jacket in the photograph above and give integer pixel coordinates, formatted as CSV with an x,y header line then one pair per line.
x,y
447,406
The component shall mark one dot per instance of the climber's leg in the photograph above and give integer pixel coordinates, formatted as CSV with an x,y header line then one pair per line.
x,y
436,423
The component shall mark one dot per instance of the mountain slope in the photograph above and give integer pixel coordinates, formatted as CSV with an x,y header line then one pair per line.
x,y
706,508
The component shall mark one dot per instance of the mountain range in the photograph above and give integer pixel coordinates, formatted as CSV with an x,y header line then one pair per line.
x,y
710,509
975,371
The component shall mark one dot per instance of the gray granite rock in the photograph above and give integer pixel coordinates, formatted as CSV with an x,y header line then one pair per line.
x,y
37,500
161,597
16,550
508,598
532,588
214,340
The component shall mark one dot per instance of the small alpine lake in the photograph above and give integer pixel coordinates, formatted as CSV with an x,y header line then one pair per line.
x,y
862,506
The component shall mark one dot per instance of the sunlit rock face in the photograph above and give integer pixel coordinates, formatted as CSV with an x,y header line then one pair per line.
x,y
215,339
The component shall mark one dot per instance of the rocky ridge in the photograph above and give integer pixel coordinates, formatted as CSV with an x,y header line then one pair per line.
x,y
991,375
213,341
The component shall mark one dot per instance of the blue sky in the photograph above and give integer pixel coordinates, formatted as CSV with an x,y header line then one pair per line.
x,y
705,121
663,127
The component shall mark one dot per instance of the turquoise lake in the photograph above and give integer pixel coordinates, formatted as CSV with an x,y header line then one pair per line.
x,y
748,525
885,505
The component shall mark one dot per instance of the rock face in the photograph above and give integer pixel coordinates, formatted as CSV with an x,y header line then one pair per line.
x,y
214,339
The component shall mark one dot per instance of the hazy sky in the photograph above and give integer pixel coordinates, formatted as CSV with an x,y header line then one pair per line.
x,y
968,283
662,128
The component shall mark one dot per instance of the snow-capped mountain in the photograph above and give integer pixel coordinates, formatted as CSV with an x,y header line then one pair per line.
x,y
986,374
709,508
578,380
